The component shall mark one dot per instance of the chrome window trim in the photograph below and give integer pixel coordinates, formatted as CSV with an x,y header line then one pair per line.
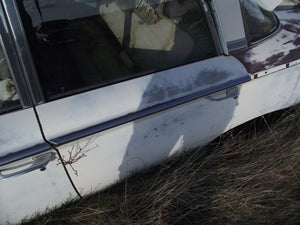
x,y
146,112
212,26
11,57
275,31
278,28
22,47
237,45
218,28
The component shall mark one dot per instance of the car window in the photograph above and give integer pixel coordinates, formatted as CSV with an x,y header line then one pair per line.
x,y
259,22
9,99
78,45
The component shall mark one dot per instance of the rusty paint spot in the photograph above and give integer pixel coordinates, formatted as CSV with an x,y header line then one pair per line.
x,y
297,41
291,28
293,55
248,59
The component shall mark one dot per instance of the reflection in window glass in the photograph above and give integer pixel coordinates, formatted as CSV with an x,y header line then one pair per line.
x,y
9,99
259,22
83,44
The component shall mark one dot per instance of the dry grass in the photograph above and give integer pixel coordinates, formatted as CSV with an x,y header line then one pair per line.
x,y
250,175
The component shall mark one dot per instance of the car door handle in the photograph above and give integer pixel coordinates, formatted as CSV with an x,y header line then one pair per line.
x,y
26,165
230,93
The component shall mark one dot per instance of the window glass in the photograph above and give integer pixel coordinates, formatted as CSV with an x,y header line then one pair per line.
x,y
9,99
83,44
258,21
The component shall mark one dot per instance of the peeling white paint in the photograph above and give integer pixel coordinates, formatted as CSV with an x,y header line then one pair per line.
x,y
279,45
145,142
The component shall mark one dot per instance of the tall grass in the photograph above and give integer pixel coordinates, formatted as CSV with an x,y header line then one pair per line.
x,y
250,175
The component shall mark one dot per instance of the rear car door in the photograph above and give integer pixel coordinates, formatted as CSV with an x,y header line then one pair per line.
x,y
126,84
30,179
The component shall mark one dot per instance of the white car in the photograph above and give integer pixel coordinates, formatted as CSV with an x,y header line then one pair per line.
x,y
92,91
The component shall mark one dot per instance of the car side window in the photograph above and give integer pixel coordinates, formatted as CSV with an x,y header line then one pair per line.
x,y
79,45
9,99
259,22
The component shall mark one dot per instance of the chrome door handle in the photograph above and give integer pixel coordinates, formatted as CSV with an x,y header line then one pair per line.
x,y
26,165
230,93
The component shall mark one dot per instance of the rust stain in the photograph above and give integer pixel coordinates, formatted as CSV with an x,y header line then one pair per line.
x,y
285,55
291,28
297,41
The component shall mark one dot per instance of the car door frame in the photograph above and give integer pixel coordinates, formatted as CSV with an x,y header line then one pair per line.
x,y
59,137
30,179
16,72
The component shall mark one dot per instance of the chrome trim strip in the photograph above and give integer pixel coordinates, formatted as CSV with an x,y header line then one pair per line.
x,y
41,165
274,69
275,31
218,27
237,44
22,46
268,36
24,153
12,61
146,112
212,26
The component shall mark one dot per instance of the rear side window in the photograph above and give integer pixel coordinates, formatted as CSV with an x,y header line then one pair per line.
x,y
78,45
9,99
259,22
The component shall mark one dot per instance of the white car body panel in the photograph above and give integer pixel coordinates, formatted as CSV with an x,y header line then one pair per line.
x,y
130,147
257,97
15,133
34,192
119,152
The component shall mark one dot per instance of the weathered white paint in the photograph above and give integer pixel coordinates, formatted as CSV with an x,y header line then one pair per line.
x,y
230,19
278,45
275,91
19,130
117,153
104,104
34,192
105,158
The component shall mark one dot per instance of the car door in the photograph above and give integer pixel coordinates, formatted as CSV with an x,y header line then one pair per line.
x,y
125,86
30,180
